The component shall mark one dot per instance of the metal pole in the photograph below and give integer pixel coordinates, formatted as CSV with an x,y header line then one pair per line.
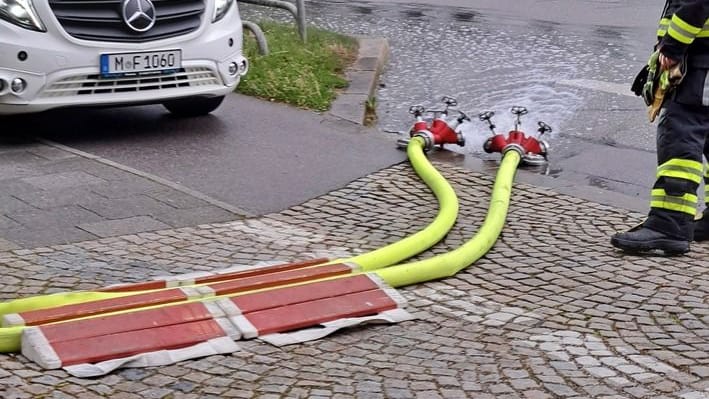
x,y
258,34
301,20
298,11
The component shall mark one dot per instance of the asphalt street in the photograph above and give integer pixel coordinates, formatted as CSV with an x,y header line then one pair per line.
x,y
258,156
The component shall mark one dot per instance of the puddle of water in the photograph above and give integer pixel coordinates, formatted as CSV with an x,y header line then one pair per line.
x,y
486,61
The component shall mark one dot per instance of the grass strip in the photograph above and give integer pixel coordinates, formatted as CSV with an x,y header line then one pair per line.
x,y
306,75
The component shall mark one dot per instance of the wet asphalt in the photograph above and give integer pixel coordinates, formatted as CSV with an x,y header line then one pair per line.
x,y
569,62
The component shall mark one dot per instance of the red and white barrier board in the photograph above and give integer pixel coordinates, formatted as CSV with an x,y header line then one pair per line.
x,y
88,344
245,282
211,277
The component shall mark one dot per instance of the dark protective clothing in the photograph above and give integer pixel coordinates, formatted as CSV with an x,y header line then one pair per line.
x,y
684,31
683,125
701,231
643,239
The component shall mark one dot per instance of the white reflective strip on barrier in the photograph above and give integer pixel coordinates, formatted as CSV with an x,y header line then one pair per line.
x,y
391,292
37,348
191,292
243,268
178,283
204,291
229,329
229,307
184,279
353,266
216,346
324,329
12,320
247,329
214,309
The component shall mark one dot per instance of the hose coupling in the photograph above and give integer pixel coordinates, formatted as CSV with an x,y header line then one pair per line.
x,y
428,139
403,143
517,141
513,147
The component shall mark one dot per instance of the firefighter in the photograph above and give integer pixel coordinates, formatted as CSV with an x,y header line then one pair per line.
x,y
683,46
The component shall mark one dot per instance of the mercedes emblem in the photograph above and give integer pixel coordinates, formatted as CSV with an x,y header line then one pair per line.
x,y
139,15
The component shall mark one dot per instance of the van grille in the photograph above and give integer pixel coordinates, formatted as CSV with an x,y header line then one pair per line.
x,y
94,84
101,20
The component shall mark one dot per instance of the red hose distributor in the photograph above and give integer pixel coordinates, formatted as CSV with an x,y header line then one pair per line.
x,y
516,140
441,130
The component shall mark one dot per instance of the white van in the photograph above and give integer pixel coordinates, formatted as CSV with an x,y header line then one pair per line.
x,y
184,54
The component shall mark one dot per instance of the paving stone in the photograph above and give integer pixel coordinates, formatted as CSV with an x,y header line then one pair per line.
x,y
701,371
6,245
63,180
537,394
62,196
68,215
567,323
11,203
11,172
50,153
123,208
36,236
130,225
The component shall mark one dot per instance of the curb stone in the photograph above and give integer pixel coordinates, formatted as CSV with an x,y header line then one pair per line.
x,y
363,76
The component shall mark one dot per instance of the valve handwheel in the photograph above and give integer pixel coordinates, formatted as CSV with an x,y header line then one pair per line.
x,y
519,111
449,101
417,110
543,128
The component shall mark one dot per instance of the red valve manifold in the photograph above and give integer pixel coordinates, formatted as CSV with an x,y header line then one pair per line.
x,y
438,133
515,139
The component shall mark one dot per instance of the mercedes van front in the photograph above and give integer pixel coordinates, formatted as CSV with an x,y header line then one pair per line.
x,y
184,54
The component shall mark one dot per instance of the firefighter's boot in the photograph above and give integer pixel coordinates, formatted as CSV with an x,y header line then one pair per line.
x,y
643,239
701,229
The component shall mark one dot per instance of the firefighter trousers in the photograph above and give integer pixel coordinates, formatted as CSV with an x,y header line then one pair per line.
x,y
682,134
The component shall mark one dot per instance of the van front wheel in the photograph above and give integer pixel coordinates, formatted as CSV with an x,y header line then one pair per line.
x,y
193,106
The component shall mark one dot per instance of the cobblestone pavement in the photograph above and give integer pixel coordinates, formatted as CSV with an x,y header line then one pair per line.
x,y
551,312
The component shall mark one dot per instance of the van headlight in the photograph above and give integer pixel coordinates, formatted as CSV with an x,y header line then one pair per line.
x,y
21,13
221,7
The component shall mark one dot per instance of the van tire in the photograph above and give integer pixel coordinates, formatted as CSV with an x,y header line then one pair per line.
x,y
193,106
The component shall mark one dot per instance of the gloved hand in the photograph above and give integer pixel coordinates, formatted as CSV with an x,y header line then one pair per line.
x,y
653,77
639,81
666,63
669,76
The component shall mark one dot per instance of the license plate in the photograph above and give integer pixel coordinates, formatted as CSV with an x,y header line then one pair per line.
x,y
140,63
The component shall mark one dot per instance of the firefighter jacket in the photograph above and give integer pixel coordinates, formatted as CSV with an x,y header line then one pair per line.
x,y
684,31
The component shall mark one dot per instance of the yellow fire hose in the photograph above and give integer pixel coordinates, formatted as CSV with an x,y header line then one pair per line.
x,y
400,275
433,233
448,264
385,256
